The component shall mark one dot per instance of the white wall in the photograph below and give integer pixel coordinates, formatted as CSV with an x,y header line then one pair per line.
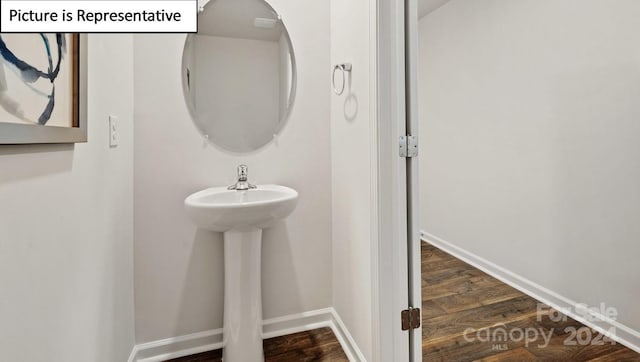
x,y
530,141
352,124
179,269
66,230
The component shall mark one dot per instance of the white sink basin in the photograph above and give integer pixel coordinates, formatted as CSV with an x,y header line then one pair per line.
x,y
219,209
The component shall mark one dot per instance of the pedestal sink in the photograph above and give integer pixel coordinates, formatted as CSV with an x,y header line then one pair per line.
x,y
241,216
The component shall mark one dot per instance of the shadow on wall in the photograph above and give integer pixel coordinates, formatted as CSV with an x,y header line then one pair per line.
x,y
205,269
350,108
281,286
19,161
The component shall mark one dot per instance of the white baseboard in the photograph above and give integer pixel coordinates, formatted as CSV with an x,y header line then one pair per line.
x,y
175,347
623,334
132,355
349,345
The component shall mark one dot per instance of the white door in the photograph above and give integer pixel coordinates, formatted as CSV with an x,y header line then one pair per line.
x,y
399,242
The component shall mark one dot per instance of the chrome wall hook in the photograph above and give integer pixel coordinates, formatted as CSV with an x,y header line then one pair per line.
x,y
343,68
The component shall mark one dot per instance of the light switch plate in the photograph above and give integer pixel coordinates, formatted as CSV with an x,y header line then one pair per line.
x,y
113,131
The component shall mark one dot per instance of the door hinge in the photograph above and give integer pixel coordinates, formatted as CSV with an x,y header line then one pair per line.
x,y
410,318
408,146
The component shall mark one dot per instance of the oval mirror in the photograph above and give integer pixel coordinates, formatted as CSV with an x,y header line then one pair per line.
x,y
239,74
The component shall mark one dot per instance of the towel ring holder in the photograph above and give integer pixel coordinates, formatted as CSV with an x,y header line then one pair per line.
x,y
343,68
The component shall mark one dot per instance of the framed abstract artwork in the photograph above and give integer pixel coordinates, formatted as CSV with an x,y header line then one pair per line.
x,y
42,88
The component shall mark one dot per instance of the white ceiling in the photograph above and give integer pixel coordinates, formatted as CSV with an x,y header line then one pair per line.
x,y
234,19
427,6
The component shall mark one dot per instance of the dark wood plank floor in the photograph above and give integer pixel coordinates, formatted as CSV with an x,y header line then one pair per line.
x,y
316,345
457,296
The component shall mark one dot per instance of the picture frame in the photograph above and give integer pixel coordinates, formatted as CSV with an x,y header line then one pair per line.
x,y
71,122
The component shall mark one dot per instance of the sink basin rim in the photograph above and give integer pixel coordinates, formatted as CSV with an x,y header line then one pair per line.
x,y
194,200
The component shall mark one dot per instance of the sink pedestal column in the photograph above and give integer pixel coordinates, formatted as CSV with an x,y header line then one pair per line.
x,y
242,296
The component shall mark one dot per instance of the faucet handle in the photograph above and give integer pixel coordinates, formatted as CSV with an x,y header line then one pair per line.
x,y
243,170
242,184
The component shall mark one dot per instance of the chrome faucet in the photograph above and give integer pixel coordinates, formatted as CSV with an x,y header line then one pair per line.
x,y
242,184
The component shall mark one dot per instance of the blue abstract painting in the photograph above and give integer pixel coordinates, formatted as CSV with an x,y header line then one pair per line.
x,y
37,77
